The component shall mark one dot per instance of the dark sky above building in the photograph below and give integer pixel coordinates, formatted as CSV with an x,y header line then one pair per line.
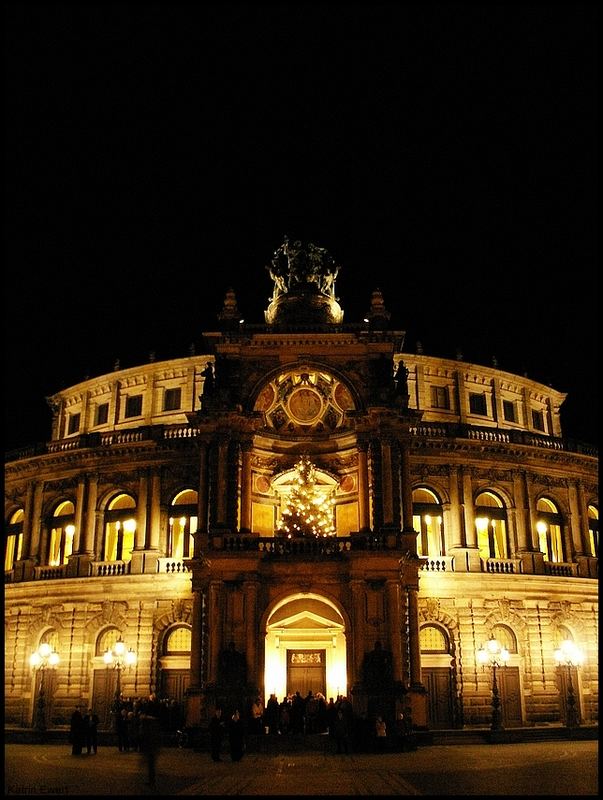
x,y
156,154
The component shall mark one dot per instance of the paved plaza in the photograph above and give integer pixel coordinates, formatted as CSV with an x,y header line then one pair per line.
x,y
567,768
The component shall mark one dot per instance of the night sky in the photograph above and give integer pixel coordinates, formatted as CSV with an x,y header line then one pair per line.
x,y
157,154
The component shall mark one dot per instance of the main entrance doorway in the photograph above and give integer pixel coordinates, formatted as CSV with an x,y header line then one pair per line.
x,y
305,647
306,672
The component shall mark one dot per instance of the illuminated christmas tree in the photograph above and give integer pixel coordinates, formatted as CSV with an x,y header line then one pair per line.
x,y
309,510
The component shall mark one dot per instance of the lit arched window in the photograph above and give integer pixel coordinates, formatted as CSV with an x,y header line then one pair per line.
x,y
106,640
548,526
120,526
562,634
50,637
178,641
506,637
491,525
62,531
433,640
182,524
427,521
593,530
14,539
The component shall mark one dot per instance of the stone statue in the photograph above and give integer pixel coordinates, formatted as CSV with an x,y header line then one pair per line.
x,y
401,378
296,266
209,384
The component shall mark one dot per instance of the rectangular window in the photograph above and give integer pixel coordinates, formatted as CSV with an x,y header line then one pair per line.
x,y
537,420
102,414
73,425
440,397
509,411
133,406
477,404
171,399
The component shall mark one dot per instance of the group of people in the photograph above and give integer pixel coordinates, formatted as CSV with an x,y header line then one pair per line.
x,y
233,728
83,732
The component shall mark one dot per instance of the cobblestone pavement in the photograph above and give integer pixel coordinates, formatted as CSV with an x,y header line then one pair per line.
x,y
542,768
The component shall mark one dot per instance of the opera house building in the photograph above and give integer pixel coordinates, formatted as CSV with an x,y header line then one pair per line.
x,y
303,505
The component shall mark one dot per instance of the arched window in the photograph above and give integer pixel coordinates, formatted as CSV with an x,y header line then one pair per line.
x,y
593,530
106,640
506,637
120,526
491,525
50,637
427,521
182,524
14,539
548,526
433,640
178,641
62,531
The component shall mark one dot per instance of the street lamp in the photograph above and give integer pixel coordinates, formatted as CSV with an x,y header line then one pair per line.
x,y
494,655
43,658
118,658
569,655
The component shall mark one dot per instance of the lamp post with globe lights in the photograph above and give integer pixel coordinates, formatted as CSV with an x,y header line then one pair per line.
x,y
494,655
569,655
118,658
42,659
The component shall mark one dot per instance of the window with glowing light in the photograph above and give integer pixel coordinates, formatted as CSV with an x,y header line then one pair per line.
x,y
427,521
505,637
120,526
177,641
14,539
549,529
491,526
433,640
106,640
62,531
307,502
593,530
182,524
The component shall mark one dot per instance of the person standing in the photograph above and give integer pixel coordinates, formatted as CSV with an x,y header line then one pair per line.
x,y
91,726
381,734
236,737
150,742
216,733
77,732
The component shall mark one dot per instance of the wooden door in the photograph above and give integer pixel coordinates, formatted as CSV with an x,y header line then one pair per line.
x,y
306,671
510,696
103,694
564,684
438,682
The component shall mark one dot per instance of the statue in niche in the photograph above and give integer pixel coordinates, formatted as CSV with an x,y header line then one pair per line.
x,y
377,668
209,383
232,667
401,379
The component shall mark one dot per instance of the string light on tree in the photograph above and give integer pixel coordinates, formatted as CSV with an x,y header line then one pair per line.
x,y
309,509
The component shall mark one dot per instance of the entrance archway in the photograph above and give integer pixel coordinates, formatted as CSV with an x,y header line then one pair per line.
x,y
305,644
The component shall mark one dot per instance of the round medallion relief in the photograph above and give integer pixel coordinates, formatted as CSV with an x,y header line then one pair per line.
x,y
262,484
305,405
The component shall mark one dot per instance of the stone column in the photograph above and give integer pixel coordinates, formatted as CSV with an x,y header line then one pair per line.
x,y
214,622
358,600
36,523
155,521
88,545
394,612
251,590
78,536
246,447
221,499
363,491
196,677
200,538
141,513
455,534
413,636
387,498
582,539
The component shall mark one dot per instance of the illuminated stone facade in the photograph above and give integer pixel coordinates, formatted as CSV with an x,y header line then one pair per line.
x,y
461,512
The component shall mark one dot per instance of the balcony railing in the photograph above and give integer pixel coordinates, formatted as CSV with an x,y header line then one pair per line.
x,y
560,569
502,566
173,565
437,564
49,573
100,569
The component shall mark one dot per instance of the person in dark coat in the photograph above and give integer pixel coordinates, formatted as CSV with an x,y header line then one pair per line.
x,y
77,732
236,737
216,733
91,726
150,734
